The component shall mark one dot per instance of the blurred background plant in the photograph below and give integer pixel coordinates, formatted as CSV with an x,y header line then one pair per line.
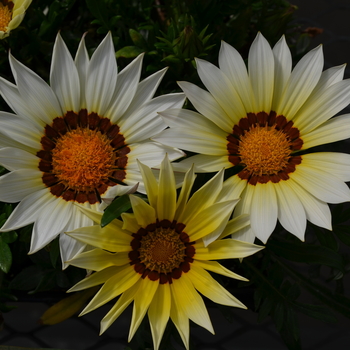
x,y
172,33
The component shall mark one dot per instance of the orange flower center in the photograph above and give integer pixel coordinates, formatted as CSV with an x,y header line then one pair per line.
x,y
162,250
264,150
5,15
83,158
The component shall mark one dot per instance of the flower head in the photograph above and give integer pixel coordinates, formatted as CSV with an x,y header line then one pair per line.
x,y
11,15
157,257
262,121
78,140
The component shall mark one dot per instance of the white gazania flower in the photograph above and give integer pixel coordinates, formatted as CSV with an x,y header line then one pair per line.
x,y
11,15
156,257
78,140
262,120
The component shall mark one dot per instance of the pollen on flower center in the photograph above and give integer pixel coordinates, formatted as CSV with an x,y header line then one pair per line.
x,y
82,158
5,14
264,150
162,250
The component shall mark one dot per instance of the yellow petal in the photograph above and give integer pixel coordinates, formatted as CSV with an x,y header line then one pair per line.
x,y
105,238
143,298
151,184
235,225
167,192
180,321
116,285
98,259
213,290
159,312
225,249
144,213
190,302
123,302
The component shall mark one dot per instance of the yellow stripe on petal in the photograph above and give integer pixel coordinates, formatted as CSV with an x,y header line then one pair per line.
x,y
203,198
144,213
104,238
235,225
166,205
96,278
123,302
225,249
213,290
185,192
214,266
159,312
180,321
208,220
98,259
142,300
190,302
116,285
150,182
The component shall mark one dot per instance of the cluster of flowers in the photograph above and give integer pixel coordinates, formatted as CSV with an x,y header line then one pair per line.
x,y
97,133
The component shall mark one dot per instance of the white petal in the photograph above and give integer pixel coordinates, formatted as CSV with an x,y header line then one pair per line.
x,y
128,80
14,159
101,77
329,77
332,162
18,184
187,119
206,105
283,68
321,184
261,73
146,122
335,129
35,93
20,130
222,90
232,64
145,91
263,215
291,213
64,77
302,81
82,64
322,106
194,140
52,221
28,210
13,98
205,163
317,212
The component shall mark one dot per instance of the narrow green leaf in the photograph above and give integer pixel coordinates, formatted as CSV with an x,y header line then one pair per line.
x,y
138,39
320,312
5,256
115,209
307,253
129,52
28,278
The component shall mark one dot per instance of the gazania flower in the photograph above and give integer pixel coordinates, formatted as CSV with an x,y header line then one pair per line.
x,y
78,140
11,15
263,121
156,257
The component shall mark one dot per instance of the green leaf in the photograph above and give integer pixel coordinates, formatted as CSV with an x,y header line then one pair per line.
x,y
54,251
115,209
129,52
5,256
326,238
138,39
27,279
99,10
307,253
320,312
9,237
343,233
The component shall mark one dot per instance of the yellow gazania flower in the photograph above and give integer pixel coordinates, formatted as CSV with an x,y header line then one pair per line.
x,y
77,141
157,258
263,119
11,15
